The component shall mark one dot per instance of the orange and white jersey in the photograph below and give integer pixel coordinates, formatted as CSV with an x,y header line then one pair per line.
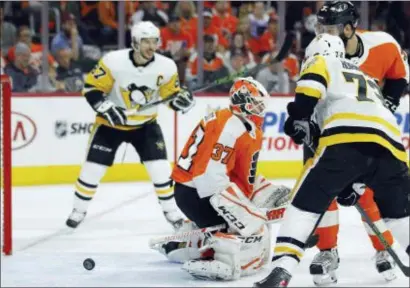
x,y
382,57
220,150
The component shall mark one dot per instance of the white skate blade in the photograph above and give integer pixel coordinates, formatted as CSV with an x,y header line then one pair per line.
x,y
325,279
389,275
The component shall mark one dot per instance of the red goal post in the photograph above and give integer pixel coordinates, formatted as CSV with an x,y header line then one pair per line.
x,y
5,165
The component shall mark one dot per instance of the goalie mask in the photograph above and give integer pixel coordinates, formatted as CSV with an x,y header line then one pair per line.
x,y
248,99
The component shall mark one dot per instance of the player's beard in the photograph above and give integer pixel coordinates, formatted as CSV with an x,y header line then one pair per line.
x,y
146,58
142,57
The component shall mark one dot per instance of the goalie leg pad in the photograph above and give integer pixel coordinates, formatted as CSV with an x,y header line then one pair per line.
x,y
225,264
255,251
238,211
179,252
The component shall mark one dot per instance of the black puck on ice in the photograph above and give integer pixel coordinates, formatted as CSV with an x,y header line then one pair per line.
x,y
89,264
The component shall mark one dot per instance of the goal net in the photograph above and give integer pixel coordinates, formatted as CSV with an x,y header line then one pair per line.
x,y
5,164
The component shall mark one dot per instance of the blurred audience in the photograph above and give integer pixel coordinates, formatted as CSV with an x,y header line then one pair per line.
x,y
23,76
176,41
108,15
186,12
68,37
147,11
238,44
8,33
268,39
238,35
214,31
177,44
69,75
237,61
274,78
24,36
259,19
213,65
224,19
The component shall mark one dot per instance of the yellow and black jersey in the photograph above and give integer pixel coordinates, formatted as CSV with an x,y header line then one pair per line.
x,y
350,105
117,76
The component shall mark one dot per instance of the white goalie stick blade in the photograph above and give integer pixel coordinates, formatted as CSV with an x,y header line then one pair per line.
x,y
273,215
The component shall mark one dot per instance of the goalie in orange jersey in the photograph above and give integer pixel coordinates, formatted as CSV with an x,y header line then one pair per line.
x,y
379,56
216,183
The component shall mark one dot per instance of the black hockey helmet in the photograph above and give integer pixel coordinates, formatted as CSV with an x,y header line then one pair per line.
x,y
337,14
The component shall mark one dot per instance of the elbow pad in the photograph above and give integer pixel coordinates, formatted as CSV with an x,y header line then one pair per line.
x,y
302,108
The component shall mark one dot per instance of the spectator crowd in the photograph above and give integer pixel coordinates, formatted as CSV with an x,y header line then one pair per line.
x,y
238,35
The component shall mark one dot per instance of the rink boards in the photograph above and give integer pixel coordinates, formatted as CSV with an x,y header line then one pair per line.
x,y
50,136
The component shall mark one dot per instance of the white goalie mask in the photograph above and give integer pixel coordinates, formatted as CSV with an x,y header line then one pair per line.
x,y
142,30
326,44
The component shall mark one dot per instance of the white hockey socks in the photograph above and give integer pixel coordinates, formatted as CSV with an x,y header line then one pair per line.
x,y
86,185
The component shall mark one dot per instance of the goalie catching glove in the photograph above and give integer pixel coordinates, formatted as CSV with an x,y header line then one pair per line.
x,y
184,101
113,114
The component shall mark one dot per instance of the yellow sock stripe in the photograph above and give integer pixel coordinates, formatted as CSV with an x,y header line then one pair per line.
x,y
88,192
287,250
163,192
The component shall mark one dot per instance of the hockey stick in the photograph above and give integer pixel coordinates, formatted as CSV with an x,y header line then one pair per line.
x,y
284,51
274,215
405,269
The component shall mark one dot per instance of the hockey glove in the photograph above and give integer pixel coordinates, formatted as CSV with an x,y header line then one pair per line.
x,y
301,131
113,114
183,102
351,195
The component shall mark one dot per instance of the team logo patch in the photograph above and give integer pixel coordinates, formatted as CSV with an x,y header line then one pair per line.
x,y
160,145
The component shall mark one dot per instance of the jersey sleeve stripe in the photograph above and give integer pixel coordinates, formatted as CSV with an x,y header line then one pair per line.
x,y
313,84
314,77
311,92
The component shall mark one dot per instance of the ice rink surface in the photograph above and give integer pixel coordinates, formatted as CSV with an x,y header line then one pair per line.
x,y
120,221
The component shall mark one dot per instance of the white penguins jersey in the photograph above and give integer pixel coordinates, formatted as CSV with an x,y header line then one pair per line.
x,y
350,107
130,86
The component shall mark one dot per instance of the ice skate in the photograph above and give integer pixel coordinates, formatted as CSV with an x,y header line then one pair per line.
x,y
279,277
385,265
75,218
324,266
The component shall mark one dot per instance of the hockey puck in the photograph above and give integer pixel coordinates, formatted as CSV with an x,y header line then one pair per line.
x,y
89,264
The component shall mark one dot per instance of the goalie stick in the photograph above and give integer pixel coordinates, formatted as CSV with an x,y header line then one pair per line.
x,y
273,216
284,51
